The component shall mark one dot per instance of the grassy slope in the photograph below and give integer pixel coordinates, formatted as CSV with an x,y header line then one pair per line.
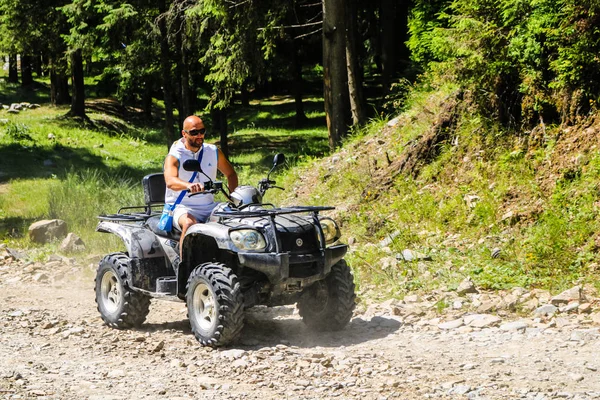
x,y
502,209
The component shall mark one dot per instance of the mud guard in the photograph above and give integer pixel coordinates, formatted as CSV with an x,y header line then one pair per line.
x,y
140,242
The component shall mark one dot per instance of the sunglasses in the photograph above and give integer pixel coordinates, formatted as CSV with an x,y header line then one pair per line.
x,y
195,132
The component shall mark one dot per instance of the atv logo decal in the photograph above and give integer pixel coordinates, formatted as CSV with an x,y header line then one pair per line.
x,y
299,242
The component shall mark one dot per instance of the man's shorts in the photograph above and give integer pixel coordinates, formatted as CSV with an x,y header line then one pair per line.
x,y
201,213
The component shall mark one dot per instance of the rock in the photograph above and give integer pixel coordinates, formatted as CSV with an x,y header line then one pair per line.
x,y
411,255
233,354
51,136
451,324
40,277
471,200
487,306
72,243
571,307
573,294
481,320
177,363
413,298
595,318
585,308
393,122
546,310
514,326
47,230
466,286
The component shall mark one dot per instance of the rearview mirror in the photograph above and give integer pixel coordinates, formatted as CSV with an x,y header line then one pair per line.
x,y
192,165
279,159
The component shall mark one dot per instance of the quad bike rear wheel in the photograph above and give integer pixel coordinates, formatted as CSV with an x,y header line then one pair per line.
x,y
119,306
327,305
215,304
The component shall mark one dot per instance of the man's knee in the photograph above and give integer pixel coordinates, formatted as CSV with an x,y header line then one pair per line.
x,y
186,221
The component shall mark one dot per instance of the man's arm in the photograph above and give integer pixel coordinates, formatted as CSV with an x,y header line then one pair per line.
x,y
227,169
172,177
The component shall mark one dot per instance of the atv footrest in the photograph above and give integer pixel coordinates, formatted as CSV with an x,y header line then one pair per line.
x,y
166,284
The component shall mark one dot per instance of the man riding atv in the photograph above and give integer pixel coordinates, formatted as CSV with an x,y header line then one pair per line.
x,y
194,209
246,253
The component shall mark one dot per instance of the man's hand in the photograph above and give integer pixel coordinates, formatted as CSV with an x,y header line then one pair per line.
x,y
196,187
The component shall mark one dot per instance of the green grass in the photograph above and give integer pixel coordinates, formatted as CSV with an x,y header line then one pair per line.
x,y
52,167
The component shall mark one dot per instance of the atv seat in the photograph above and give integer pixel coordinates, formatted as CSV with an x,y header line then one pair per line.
x,y
154,194
154,189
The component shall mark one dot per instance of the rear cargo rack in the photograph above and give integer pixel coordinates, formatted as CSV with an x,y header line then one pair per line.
x,y
121,216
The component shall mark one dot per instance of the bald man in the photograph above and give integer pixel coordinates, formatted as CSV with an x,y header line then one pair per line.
x,y
194,209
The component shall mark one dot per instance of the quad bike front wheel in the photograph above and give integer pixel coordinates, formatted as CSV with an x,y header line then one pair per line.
x,y
215,304
119,307
327,305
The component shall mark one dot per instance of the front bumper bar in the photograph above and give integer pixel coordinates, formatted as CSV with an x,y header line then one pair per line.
x,y
276,266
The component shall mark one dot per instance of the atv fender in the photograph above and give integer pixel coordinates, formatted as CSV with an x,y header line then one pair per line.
x,y
140,242
218,232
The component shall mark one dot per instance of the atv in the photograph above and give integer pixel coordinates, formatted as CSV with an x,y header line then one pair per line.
x,y
247,253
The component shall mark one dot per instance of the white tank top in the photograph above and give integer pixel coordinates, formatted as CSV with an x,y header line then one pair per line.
x,y
210,158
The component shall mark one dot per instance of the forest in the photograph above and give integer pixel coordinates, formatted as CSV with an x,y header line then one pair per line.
x,y
521,61
493,104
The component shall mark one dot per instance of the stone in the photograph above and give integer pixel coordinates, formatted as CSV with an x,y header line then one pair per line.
x,y
546,310
514,326
233,354
45,231
573,294
585,308
481,320
451,324
72,243
486,307
466,286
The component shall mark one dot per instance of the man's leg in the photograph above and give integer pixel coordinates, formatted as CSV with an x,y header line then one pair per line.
x,y
185,221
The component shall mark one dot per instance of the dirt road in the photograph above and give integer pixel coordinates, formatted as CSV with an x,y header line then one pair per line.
x,y
53,345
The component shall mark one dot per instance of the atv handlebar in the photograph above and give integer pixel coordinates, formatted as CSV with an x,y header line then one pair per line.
x,y
266,184
209,188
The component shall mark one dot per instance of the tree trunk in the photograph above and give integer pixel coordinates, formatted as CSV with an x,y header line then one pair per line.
x,y
165,63
13,69
78,98
186,108
183,73
147,101
38,62
388,43
357,100
59,85
298,85
335,74
26,72
219,120
245,94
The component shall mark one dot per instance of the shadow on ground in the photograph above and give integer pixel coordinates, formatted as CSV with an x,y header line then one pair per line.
x,y
268,327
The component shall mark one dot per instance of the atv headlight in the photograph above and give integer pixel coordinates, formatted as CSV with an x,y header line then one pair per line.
x,y
248,239
331,232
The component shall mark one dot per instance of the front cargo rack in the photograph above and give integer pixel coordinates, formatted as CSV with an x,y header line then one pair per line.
x,y
272,212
